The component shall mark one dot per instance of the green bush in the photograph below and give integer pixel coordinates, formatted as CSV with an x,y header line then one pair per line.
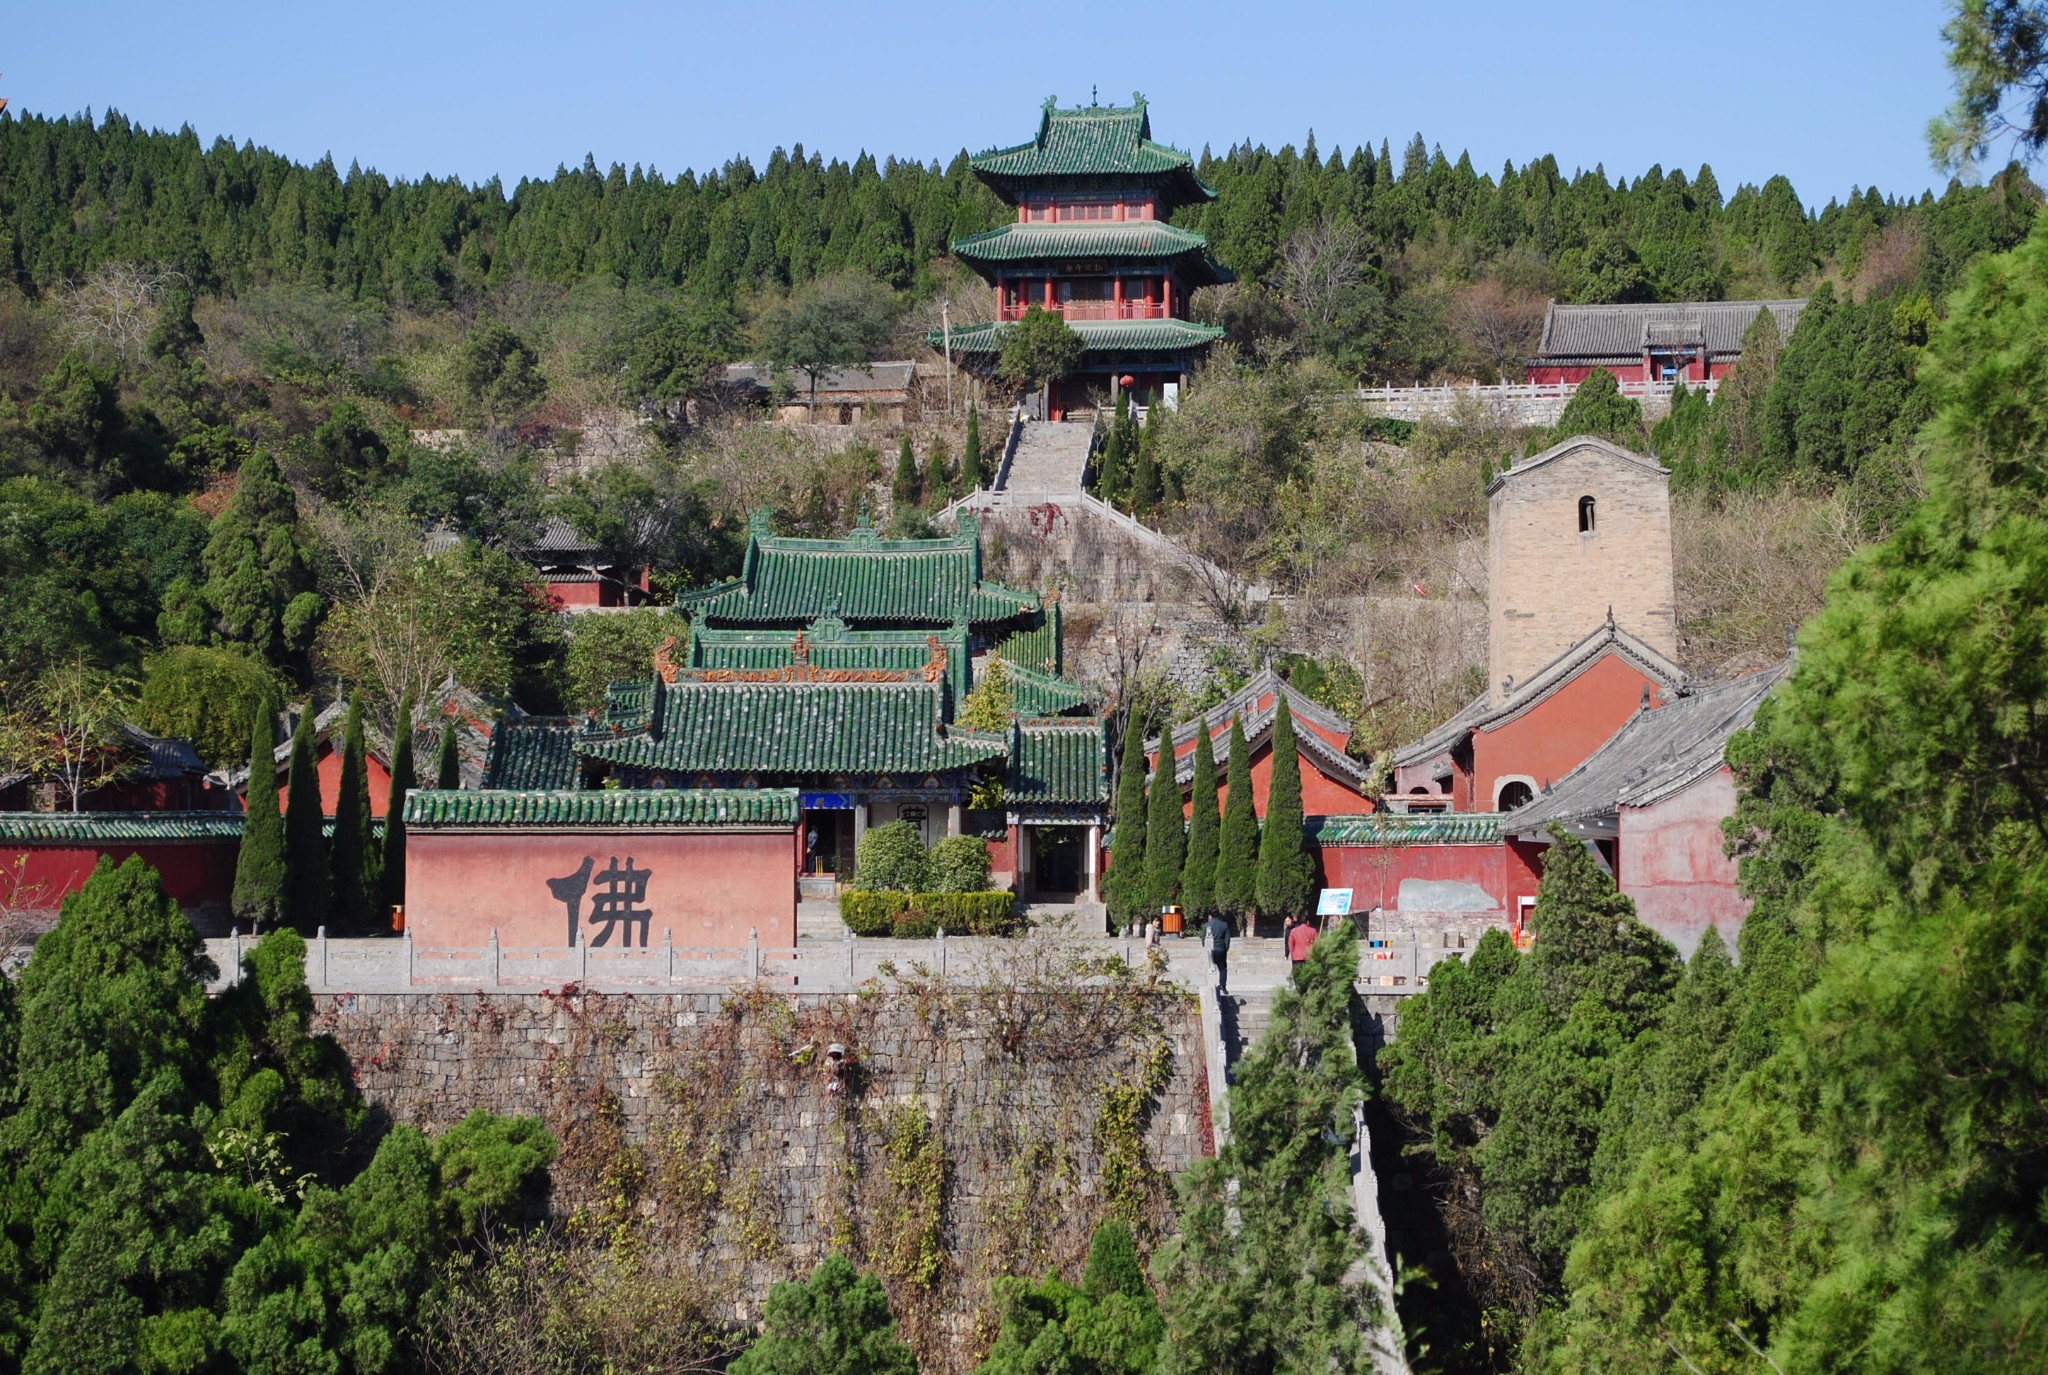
x,y
960,865
920,915
892,858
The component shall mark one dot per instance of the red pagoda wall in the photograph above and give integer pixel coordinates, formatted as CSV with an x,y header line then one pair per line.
x,y
1559,733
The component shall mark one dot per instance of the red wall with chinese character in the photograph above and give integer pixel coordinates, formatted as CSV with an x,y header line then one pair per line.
x,y
706,888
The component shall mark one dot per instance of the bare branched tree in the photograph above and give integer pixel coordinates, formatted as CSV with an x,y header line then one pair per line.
x,y
111,312
1498,323
1319,268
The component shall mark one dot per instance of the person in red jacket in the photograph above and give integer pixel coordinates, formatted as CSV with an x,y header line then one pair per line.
x,y
1301,934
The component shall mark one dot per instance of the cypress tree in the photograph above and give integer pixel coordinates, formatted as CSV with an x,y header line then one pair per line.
x,y
1126,888
259,899
970,455
1198,878
1145,490
1165,837
394,812
1237,848
351,856
448,763
1287,873
308,886
938,470
904,490
1110,477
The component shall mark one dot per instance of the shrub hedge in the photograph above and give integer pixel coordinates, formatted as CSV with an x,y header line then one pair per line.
x,y
914,915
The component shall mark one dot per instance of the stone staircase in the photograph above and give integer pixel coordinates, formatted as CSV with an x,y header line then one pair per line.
x,y
1258,969
1051,458
817,919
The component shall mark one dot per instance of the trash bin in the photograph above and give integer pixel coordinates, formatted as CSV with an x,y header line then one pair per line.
x,y
1171,922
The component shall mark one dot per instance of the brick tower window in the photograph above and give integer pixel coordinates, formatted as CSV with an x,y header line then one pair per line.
x,y
1585,515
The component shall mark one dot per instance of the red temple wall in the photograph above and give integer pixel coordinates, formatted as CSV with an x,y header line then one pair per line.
x,y
329,771
565,594
198,874
1559,733
1635,370
1673,865
707,888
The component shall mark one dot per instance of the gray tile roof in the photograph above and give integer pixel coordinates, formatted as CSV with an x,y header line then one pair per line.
x,y
1575,333
1258,727
1660,752
874,379
160,757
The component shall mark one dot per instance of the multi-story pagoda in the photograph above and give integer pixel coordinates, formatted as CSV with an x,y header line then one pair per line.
x,y
1092,240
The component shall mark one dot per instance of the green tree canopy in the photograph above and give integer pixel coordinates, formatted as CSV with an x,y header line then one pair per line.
x,y
834,1323
838,321
1040,348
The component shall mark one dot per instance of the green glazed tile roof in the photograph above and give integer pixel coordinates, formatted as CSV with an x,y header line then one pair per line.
x,y
932,582
534,752
1422,828
1092,141
798,728
116,828
604,807
1100,336
1038,648
1042,694
829,645
1060,761
1139,239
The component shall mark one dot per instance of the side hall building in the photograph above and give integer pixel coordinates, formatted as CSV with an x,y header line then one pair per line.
x,y
1688,341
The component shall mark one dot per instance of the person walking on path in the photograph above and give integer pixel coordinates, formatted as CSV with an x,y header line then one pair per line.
x,y
1301,934
1219,953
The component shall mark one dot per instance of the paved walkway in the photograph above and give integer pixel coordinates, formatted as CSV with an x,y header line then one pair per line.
x,y
1051,457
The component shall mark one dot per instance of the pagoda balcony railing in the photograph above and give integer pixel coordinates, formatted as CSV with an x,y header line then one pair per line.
x,y
1093,310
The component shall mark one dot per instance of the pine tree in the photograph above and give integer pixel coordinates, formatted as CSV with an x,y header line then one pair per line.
x,y
260,882
971,476
258,578
1145,489
1237,846
1127,881
1165,835
402,783
308,884
448,760
1110,475
1198,877
352,854
1287,875
905,491
938,471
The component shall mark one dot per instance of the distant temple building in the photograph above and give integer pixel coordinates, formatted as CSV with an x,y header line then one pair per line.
x,y
1693,341
1093,194
818,697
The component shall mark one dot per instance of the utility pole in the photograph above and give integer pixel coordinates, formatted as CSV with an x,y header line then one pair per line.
x,y
946,328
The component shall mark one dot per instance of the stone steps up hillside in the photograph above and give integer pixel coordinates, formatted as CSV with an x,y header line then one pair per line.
x,y
1051,457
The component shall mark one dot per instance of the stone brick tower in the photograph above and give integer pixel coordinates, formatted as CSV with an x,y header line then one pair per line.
x,y
1580,531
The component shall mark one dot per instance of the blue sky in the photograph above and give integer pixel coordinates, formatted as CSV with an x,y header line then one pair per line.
x,y
1833,95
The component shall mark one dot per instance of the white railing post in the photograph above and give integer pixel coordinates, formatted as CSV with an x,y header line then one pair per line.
x,y
234,956
407,938
582,958
754,954
668,948
320,941
849,955
942,954
495,964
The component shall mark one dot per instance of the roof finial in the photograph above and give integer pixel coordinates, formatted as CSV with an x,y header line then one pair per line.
x,y
1092,99
1610,615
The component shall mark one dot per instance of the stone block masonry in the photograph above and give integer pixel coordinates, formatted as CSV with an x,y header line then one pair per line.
x,y
978,1129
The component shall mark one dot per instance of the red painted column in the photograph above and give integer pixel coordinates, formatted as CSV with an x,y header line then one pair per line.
x,y
1117,293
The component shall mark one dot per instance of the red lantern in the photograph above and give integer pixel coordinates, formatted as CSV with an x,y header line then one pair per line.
x,y
1127,381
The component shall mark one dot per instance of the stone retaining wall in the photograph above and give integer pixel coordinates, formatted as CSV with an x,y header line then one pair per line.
x,y
967,1137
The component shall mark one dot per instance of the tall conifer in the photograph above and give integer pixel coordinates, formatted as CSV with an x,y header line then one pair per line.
x,y
905,491
402,783
1165,837
1126,889
1198,878
259,900
308,887
938,471
970,456
1287,873
352,855
1237,851
448,762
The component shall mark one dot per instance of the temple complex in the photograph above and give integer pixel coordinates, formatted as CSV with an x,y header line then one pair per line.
x,y
1092,240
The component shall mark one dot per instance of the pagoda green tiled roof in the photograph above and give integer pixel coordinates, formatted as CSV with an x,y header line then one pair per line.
x,y
863,578
1036,648
1092,142
1059,762
1111,337
1042,694
609,807
1416,828
829,645
117,828
895,729
1148,240
533,752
